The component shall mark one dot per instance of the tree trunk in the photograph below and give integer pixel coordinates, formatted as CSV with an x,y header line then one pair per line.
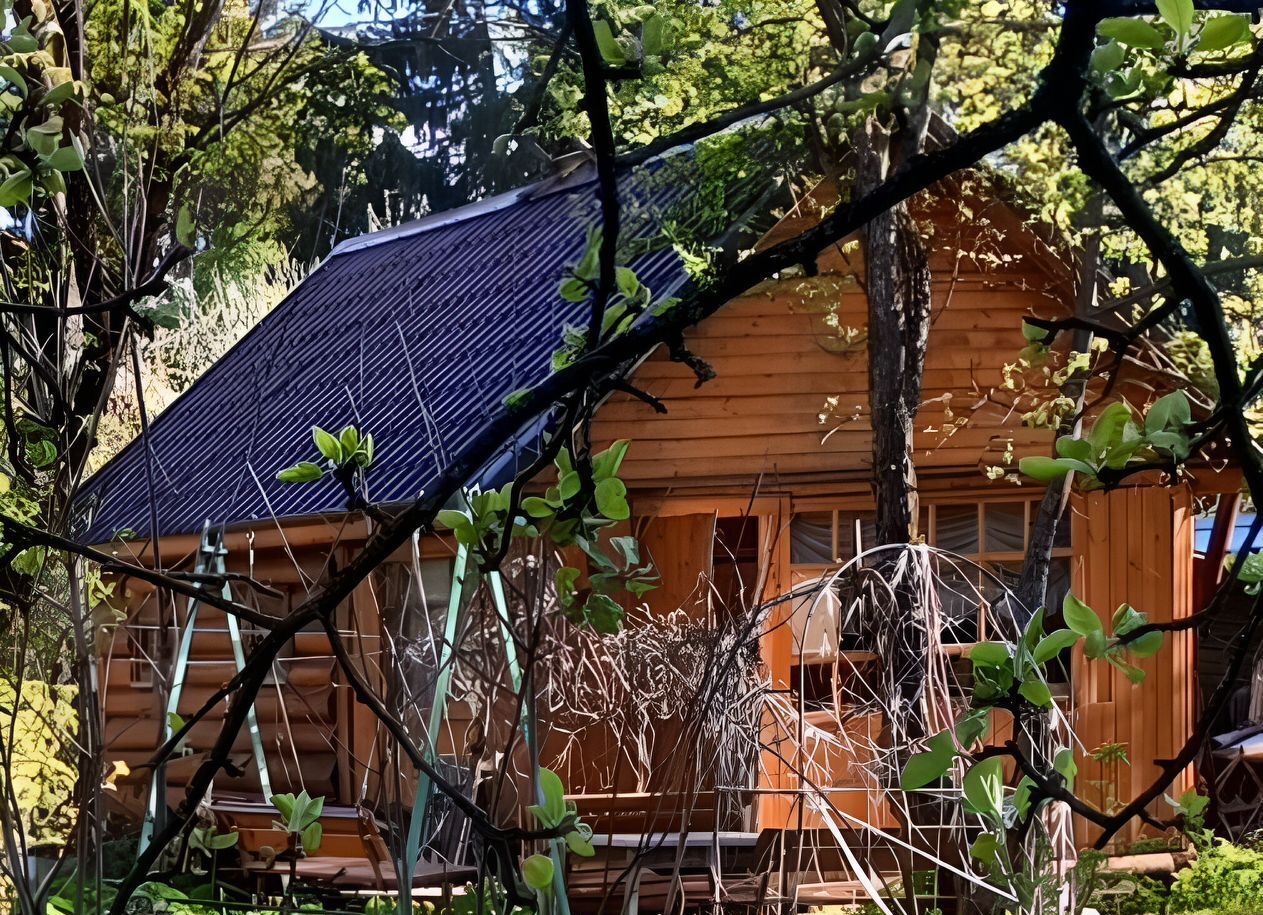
x,y
897,280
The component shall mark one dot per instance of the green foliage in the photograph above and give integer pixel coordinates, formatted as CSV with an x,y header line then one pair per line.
x,y
42,733
300,819
1119,441
631,299
234,177
346,451
694,60
572,512
1225,879
1010,677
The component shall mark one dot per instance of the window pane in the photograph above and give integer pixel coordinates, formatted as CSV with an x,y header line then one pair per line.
x,y
1062,538
997,591
857,531
958,597
1058,584
1005,524
956,528
811,538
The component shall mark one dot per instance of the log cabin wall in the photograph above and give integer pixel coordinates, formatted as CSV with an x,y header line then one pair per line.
x,y
312,733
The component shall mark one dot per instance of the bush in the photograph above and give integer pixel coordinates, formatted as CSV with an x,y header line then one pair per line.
x,y
1224,878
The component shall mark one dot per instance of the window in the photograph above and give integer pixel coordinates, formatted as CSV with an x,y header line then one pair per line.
x,y
994,535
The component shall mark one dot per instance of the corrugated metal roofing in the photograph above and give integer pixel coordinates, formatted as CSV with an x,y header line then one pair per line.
x,y
413,334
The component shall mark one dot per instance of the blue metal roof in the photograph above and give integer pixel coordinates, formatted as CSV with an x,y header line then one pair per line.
x,y
413,334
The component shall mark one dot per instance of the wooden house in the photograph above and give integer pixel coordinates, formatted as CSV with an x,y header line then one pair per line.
x,y
747,487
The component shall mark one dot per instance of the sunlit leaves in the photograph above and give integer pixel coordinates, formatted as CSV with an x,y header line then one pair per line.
x,y
1222,32
983,788
573,512
346,451
1118,439
1135,33
1079,616
537,871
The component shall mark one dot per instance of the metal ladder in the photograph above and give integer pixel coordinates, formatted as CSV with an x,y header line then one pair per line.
x,y
438,712
211,560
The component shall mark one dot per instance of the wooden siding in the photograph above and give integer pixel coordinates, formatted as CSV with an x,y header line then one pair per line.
x,y
1134,546
790,400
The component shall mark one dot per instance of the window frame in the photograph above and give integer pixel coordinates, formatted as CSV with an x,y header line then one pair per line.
x,y
928,529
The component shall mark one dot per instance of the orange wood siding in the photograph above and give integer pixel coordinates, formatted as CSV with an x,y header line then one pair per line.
x,y
789,402
1134,546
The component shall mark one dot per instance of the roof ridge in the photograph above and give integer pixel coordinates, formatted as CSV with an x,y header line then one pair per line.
x,y
553,184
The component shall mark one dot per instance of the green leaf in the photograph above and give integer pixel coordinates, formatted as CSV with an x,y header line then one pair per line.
x,y
1053,644
14,78
284,803
1107,431
1043,469
1079,616
1094,645
226,840
983,787
45,137
652,35
451,519
566,578
315,807
627,281
1022,795
349,438
923,769
991,654
59,94
1146,646
606,463
611,499
931,765
1034,630
312,836
573,290
972,728
579,844
604,613
986,849
1036,692
327,444
1135,33
1032,333
568,485
553,794
537,507
16,188
1108,57
1223,32
65,159
1065,766
537,871
41,453
611,51
1178,14
302,472
1076,449
364,454
1171,410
